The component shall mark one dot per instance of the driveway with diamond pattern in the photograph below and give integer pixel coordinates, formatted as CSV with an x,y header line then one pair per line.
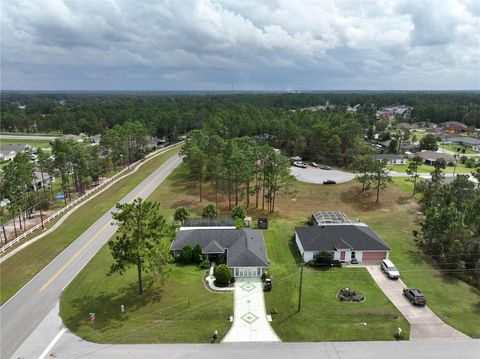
x,y
250,323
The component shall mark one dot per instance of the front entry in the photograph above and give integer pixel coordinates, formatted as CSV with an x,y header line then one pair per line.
x,y
342,255
248,272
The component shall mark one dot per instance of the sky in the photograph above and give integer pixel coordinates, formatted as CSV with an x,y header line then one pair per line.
x,y
280,45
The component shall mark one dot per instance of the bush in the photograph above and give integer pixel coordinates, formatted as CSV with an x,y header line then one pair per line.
x,y
324,258
205,263
239,212
265,275
239,223
186,255
222,274
181,214
197,254
210,210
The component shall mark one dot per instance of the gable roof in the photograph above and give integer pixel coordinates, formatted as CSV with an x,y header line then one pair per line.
x,y
245,247
8,148
348,236
433,156
466,140
389,157
209,222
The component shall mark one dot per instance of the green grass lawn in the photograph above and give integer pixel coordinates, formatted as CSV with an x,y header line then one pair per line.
x,y
461,168
455,148
162,315
34,143
322,316
20,268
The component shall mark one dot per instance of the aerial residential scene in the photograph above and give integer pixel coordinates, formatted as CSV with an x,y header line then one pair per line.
x,y
216,178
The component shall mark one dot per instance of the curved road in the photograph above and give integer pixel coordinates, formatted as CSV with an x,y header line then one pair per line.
x,y
21,315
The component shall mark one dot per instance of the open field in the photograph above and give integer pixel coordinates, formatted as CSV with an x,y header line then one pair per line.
x,y
20,268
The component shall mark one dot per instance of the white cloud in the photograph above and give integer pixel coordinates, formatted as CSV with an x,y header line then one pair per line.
x,y
186,44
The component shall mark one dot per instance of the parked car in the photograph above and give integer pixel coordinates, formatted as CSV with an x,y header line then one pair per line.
x,y
328,168
299,164
415,296
329,182
267,286
314,164
389,268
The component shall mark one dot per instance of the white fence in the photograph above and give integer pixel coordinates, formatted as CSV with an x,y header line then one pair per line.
x,y
75,202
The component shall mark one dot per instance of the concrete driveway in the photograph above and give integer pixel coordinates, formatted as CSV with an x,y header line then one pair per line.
x,y
424,324
317,175
250,323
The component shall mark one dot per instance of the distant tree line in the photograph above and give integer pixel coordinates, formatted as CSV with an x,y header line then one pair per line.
x,y
169,114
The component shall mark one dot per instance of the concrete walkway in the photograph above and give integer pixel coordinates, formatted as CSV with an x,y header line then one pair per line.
x,y
424,324
250,323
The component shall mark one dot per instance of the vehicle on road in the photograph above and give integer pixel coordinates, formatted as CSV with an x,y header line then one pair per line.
x,y
300,164
329,182
415,296
389,268
328,168
314,164
267,286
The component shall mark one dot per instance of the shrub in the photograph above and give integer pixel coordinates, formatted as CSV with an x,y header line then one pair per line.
x,y
324,258
205,263
197,254
239,212
239,223
186,255
265,275
222,274
210,210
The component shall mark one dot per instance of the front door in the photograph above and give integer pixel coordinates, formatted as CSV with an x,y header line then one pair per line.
x,y
342,255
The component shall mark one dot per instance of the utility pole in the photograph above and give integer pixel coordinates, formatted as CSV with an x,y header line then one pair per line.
x,y
300,290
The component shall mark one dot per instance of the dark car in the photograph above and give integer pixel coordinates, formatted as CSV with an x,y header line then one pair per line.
x,y
267,287
328,168
415,296
329,182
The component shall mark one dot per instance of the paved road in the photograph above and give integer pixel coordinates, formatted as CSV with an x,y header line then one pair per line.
x,y
26,310
250,322
424,324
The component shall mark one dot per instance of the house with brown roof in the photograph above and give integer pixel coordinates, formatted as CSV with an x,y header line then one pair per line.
x,y
429,157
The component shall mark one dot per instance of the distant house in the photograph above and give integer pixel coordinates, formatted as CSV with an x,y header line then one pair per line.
x,y
454,127
429,157
243,250
391,159
95,140
153,142
473,143
70,137
40,182
409,147
346,241
9,150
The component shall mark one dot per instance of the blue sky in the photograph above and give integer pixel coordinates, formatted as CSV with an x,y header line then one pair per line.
x,y
254,45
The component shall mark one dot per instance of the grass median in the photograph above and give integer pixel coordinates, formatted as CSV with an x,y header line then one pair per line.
x,y
17,270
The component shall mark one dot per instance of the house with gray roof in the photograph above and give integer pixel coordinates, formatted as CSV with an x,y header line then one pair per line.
x,y
391,159
9,150
429,157
473,143
346,241
242,249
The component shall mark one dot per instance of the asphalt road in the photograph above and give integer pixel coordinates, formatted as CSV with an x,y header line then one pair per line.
x,y
21,315
26,137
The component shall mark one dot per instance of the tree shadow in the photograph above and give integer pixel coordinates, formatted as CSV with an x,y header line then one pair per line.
x,y
360,201
107,306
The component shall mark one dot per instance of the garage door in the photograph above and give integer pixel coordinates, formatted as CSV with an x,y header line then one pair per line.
x,y
374,256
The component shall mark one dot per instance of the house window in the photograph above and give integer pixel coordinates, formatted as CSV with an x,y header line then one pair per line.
x,y
236,272
352,255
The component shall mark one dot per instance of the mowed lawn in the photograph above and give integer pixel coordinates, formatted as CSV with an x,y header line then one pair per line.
x,y
322,317
34,143
182,310
461,168
17,270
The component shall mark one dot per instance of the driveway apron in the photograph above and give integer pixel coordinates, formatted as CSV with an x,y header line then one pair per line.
x,y
250,323
424,324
